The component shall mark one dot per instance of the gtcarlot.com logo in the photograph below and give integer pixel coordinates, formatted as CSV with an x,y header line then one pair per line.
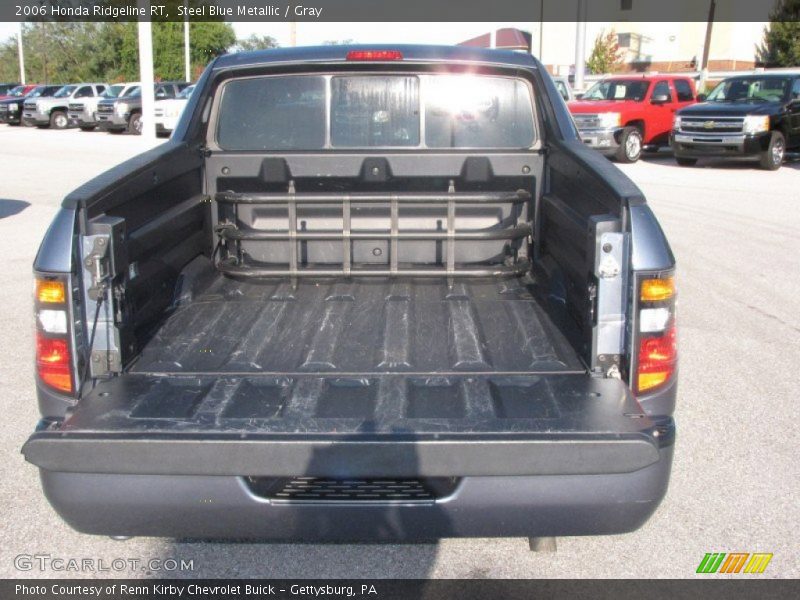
x,y
48,562
734,562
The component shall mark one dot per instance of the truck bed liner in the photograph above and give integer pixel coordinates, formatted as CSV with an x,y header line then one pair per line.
x,y
360,327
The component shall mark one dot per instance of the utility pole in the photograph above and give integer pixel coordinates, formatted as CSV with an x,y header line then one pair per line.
x,y
187,59
21,55
580,45
541,31
712,6
44,55
146,73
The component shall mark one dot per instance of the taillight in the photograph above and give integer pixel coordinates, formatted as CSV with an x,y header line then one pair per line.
x,y
657,351
374,55
53,362
658,357
53,353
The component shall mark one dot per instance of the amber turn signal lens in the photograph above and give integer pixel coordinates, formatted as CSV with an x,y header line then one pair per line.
x,y
648,381
657,290
49,291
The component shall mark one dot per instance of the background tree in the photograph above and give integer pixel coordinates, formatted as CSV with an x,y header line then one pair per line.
x,y
606,55
208,40
54,52
781,46
68,52
256,42
337,42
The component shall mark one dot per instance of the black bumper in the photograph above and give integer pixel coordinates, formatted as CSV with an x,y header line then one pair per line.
x,y
747,146
226,507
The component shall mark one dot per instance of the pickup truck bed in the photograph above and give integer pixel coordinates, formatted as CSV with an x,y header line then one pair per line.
x,y
459,369
360,326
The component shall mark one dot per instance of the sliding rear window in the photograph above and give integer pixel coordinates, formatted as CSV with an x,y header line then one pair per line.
x,y
477,112
273,113
315,112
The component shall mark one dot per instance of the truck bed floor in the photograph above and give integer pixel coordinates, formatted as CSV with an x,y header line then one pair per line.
x,y
359,326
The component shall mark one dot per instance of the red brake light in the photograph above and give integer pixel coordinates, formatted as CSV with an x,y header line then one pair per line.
x,y
374,55
658,357
53,362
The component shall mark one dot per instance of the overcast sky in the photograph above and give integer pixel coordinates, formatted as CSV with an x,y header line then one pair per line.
x,y
309,34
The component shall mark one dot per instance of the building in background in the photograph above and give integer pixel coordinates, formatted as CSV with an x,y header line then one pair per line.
x,y
646,46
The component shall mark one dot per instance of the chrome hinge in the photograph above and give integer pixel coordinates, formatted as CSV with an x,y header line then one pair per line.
x,y
96,262
105,266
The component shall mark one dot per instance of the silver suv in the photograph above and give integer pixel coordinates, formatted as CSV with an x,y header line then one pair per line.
x,y
53,110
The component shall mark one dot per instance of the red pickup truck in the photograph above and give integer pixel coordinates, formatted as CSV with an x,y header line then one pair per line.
x,y
623,115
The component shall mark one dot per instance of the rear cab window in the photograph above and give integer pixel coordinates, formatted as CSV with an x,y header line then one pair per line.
x,y
359,111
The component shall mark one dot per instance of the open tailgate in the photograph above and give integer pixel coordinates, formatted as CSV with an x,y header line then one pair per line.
x,y
370,425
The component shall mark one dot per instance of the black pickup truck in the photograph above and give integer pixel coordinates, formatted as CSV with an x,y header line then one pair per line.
x,y
378,293
751,117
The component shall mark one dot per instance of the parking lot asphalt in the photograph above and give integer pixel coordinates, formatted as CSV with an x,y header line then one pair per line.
x,y
735,231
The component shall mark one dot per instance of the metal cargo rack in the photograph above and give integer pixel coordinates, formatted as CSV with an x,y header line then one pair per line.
x,y
231,235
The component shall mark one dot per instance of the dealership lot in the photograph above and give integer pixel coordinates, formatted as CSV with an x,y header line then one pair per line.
x,y
734,230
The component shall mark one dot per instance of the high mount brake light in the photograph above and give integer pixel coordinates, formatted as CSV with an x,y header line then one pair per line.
x,y
375,55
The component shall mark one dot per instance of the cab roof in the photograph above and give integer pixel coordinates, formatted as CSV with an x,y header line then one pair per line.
x,y
411,53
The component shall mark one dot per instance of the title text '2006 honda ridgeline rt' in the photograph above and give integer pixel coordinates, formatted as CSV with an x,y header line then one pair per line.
x,y
362,293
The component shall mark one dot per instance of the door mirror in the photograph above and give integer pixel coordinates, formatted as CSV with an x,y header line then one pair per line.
x,y
701,97
659,99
